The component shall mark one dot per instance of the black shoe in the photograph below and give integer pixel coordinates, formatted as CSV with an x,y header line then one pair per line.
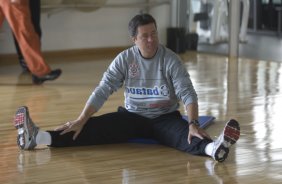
x,y
54,74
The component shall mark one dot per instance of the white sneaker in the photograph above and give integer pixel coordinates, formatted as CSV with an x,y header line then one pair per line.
x,y
227,138
27,131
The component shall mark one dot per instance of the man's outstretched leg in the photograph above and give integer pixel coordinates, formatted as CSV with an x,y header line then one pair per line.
x,y
102,129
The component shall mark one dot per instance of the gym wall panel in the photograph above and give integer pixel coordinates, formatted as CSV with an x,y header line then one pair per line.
x,y
66,29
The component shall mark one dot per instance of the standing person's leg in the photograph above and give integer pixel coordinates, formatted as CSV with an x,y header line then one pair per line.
x,y
116,127
172,130
18,16
35,12
1,16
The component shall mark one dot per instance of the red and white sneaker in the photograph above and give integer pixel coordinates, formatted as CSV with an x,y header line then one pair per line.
x,y
27,130
227,138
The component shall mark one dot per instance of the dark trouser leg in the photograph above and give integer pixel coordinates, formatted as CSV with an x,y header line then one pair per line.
x,y
171,130
34,7
116,127
35,15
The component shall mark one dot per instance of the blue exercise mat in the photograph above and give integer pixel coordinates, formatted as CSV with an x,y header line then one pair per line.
x,y
203,120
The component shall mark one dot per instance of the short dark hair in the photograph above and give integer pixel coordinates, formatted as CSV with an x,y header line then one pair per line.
x,y
140,20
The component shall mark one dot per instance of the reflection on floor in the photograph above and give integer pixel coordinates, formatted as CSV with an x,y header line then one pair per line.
x,y
260,47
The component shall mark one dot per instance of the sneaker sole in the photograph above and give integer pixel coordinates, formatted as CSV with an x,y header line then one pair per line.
x,y
20,117
231,135
20,124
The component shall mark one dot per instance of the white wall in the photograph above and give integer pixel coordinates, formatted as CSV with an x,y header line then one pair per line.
x,y
72,29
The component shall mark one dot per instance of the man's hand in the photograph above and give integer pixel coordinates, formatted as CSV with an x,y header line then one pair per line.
x,y
77,125
196,131
71,126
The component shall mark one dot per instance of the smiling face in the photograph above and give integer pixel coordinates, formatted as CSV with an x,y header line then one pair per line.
x,y
147,40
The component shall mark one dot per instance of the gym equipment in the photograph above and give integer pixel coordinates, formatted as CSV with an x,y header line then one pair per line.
x,y
209,19
176,39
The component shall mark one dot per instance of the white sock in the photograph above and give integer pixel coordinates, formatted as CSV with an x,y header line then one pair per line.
x,y
43,138
209,148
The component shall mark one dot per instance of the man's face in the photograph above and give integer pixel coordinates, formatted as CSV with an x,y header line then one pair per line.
x,y
147,40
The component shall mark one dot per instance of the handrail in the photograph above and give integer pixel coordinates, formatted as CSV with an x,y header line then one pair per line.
x,y
112,5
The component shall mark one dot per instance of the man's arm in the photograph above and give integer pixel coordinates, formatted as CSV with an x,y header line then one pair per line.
x,y
86,113
112,80
192,111
194,130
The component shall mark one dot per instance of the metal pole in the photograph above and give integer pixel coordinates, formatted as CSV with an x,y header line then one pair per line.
x,y
234,24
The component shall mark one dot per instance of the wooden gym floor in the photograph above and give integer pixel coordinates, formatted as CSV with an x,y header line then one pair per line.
x,y
245,89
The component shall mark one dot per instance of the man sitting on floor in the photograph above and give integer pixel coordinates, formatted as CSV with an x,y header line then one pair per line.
x,y
155,80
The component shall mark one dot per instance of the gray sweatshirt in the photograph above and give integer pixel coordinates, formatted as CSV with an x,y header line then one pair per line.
x,y
152,87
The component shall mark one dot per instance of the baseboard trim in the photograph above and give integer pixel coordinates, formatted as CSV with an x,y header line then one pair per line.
x,y
106,52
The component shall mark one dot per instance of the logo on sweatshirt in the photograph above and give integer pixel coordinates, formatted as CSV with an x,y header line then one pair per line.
x,y
157,92
133,70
